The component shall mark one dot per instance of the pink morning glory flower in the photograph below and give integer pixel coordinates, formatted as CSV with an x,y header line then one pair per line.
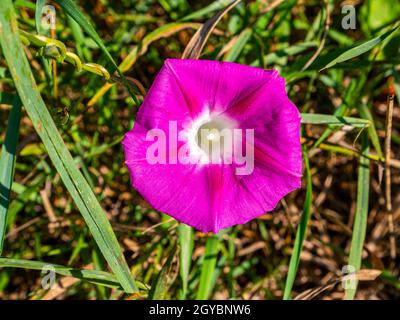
x,y
215,144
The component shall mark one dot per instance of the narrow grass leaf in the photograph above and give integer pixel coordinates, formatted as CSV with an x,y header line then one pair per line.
x,y
326,119
75,183
137,51
214,6
38,15
94,276
7,162
198,41
208,268
361,216
365,112
6,98
238,46
160,285
300,234
185,255
360,49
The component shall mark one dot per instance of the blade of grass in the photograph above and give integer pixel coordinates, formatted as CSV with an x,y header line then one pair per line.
x,y
208,268
6,98
360,49
75,183
185,255
311,118
7,162
365,112
214,6
300,234
197,42
137,51
72,9
160,285
94,276
38,15
361,216
238,46
351,95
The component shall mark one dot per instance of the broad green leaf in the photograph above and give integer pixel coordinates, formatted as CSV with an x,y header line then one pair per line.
x,y
361,215
75,183
312,118
208,268
7,161
300,234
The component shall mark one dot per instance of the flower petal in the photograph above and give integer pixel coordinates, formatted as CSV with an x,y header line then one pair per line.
x,y
212,196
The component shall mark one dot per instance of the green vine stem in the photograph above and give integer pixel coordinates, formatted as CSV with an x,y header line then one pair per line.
x,y
55,49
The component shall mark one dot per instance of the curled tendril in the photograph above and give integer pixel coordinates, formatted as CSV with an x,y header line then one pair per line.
x,y
42,41
55,49
58,44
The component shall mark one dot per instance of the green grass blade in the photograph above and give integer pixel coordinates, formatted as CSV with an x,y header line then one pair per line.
x,y
208,268
185,255
396,76
160,285
274,57
360,49
351,96
94,276
72,9
301,234
75,183
326,119
7,161
361,216
365,112
214,6
237,48
6,98
38,15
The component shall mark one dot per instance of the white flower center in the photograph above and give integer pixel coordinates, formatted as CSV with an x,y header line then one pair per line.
x,y
211,138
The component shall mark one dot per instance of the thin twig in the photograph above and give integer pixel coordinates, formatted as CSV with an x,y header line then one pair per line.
x,y
388,137
15,231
